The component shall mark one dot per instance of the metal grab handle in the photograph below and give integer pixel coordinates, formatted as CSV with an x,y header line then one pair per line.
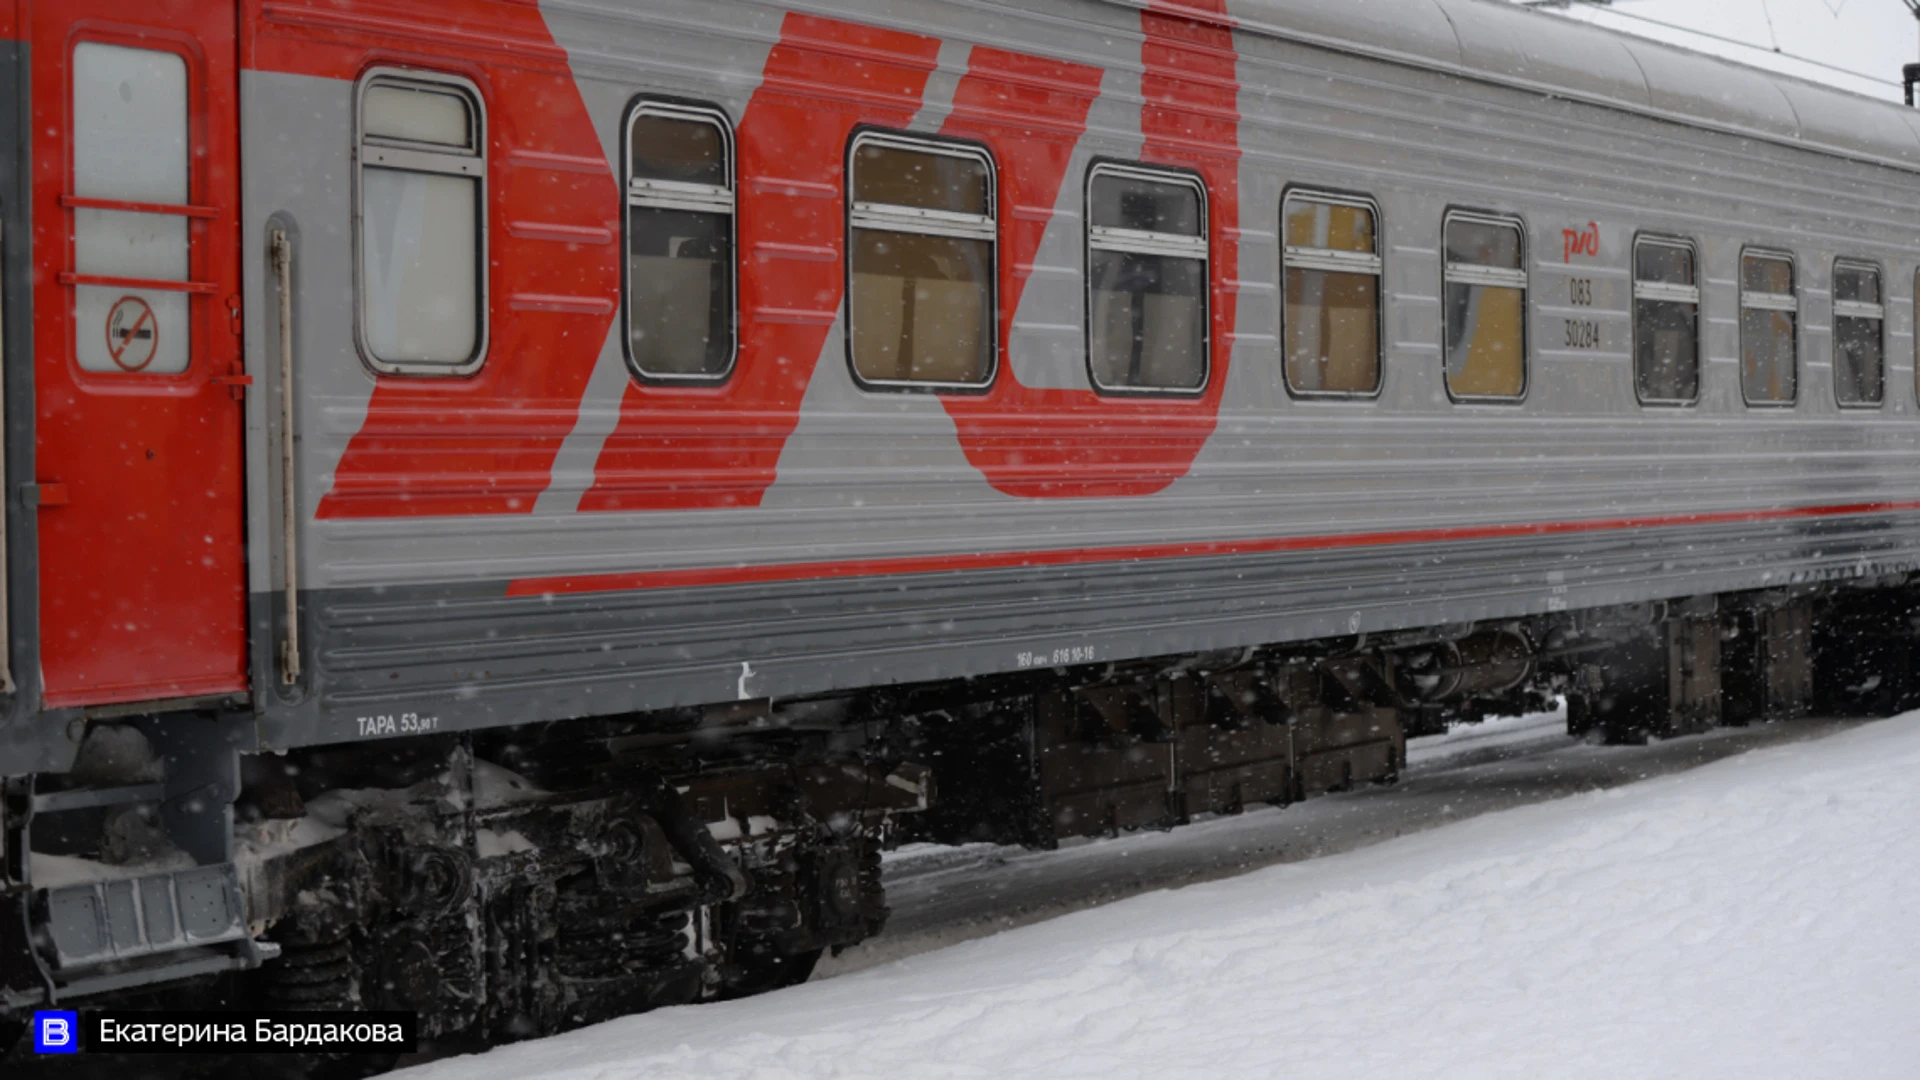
x,y
6,637
282,249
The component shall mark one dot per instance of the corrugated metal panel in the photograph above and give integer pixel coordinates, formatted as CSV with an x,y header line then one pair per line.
x,y
465,658
1501,43
1911,117
1717,91
1557,53
1847,122
1412,30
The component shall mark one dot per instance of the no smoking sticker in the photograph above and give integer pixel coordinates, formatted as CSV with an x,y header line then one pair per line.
x,y
133,334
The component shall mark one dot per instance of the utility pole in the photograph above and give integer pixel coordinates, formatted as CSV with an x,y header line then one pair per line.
x,y
1911,73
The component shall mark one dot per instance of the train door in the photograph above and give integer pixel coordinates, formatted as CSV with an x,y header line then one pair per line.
x,y
138,466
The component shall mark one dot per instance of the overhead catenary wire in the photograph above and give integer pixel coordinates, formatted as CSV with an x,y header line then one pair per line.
x,y
1772,34
1616,11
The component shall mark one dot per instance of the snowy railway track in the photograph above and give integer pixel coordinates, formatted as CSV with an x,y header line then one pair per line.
x,y
1742,921
943,896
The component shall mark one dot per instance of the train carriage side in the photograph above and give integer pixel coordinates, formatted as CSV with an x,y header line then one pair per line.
x,y
648,452
1037,507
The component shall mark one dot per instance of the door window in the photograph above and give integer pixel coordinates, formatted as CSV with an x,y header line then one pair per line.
x,y
130,217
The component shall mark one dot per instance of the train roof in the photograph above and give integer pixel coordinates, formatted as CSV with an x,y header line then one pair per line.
x,y
1502,43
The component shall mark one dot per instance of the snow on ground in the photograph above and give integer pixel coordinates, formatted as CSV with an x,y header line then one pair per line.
x,y
1749,919
946,896
1858,45
1498,732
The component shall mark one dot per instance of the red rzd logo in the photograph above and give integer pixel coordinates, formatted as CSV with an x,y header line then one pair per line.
x,y
1581,242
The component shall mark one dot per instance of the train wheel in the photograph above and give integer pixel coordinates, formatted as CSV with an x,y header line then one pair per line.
x,y
757,970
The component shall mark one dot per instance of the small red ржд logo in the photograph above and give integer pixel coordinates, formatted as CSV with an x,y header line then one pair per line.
x,y
1581,242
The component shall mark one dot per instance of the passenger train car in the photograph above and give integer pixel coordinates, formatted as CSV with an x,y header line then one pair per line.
x,y
510,506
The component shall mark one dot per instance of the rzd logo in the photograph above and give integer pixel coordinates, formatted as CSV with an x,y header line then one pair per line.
x,y
56,1032
1581,241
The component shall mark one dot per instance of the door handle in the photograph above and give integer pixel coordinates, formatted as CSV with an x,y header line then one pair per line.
x,y
281,248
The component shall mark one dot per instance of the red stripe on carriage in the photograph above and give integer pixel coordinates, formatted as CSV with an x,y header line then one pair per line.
x,y
683,448
1070,443
486,444
932,564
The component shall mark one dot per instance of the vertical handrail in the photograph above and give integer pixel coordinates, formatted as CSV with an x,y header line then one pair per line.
x,y
6,637
290,644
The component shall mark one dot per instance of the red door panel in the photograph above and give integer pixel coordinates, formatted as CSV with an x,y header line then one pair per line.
x,y
138,448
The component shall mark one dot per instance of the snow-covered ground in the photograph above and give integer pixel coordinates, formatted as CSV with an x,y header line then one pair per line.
x,y
1753,918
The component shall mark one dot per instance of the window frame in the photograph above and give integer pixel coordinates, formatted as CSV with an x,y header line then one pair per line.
x,y
891,220
1845,262
1145,244
1379,271
1698,300
1740,281
420,157
192,285
700,111
1525,275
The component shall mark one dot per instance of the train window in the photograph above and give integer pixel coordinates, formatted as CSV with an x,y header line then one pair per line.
x,y
1486,304
1859,349
1666,321
1146,280
130,147
921,266
1332,268
1769,329
680,264
421,187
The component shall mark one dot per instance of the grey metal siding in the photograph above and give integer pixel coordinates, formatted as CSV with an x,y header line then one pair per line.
x,y
469,657
409,615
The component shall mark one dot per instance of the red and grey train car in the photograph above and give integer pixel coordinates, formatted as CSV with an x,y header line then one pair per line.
x,y
510,505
